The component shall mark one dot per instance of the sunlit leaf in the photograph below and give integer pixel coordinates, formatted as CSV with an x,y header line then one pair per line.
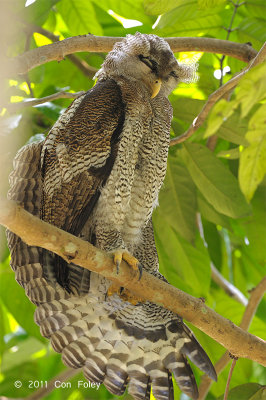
x,y
131,9
252,167
188,20
80,17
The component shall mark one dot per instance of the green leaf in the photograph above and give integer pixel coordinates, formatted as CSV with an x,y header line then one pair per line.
x,y
256,8
226,124
131,9
210,214
230,154
25,350
80,17
252,168
185,108
217,184
158,7
37,12
183,264
210,3
15,300
252,89
188,20
248,391
178,199
252,30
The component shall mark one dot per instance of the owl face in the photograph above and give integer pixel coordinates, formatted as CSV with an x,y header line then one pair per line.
x,y
147,59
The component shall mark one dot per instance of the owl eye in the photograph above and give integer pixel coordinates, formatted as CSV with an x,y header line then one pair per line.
x,y
149,62
173,74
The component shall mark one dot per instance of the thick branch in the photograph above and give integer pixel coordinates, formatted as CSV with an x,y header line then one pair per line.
x,y
39,233
254,301
59,50
217,95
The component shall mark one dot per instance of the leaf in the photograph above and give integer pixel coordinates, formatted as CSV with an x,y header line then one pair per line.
x,y
185,108
210,3
252,30
217,184
248,391
25,350
183,264
188,20
80,17
178,199
131,9
256,8
231,154
252,167
16,302
158,7
210,214
252,88
38,11
226,125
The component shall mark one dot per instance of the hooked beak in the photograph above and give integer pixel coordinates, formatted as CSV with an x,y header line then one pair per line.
x,y
156,86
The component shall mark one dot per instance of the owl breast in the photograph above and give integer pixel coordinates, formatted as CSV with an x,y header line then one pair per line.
x,y
131,191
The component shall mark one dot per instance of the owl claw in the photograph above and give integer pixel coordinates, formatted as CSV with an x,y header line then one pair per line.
x,y
120,255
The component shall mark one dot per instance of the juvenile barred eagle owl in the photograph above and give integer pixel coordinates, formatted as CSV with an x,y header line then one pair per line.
x,y
97,175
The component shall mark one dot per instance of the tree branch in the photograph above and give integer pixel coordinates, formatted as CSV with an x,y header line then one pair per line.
x,y
217,95
84,67
34,102
254,301
59,50
36,232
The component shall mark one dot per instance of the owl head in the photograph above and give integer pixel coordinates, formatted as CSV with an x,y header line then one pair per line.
x,y
148,59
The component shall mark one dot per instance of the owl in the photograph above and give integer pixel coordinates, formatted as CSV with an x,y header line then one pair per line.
x,y
97,175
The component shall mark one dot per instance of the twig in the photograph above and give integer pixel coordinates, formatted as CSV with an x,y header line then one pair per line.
x,y
34,102
215,96
59,50
229,379
230,289
36,232
254,301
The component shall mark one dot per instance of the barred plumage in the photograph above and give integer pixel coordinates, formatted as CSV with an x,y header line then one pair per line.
x,y
97,175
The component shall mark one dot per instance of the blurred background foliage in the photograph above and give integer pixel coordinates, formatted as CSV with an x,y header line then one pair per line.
x,y
212,205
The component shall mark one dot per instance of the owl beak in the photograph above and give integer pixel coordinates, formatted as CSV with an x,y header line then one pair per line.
x,y
156,87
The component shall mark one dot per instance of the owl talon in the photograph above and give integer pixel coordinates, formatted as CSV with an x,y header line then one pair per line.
x,y
120,255
140,271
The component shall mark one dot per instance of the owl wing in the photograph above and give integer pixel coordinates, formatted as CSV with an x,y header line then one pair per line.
x,y
77,158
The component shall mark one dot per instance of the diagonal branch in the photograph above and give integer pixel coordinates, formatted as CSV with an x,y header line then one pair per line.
x,y
217,95
12,107
59,50
36,232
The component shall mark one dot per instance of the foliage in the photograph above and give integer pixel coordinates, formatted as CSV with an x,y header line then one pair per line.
x,y
225,186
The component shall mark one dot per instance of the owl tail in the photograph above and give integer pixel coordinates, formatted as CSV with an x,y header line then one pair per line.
x,y
116,343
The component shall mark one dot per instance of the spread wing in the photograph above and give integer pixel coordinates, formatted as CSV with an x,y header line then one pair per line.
x,y
77,158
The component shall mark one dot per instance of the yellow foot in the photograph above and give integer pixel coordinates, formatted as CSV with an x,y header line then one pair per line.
x,y
123,293
121,254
